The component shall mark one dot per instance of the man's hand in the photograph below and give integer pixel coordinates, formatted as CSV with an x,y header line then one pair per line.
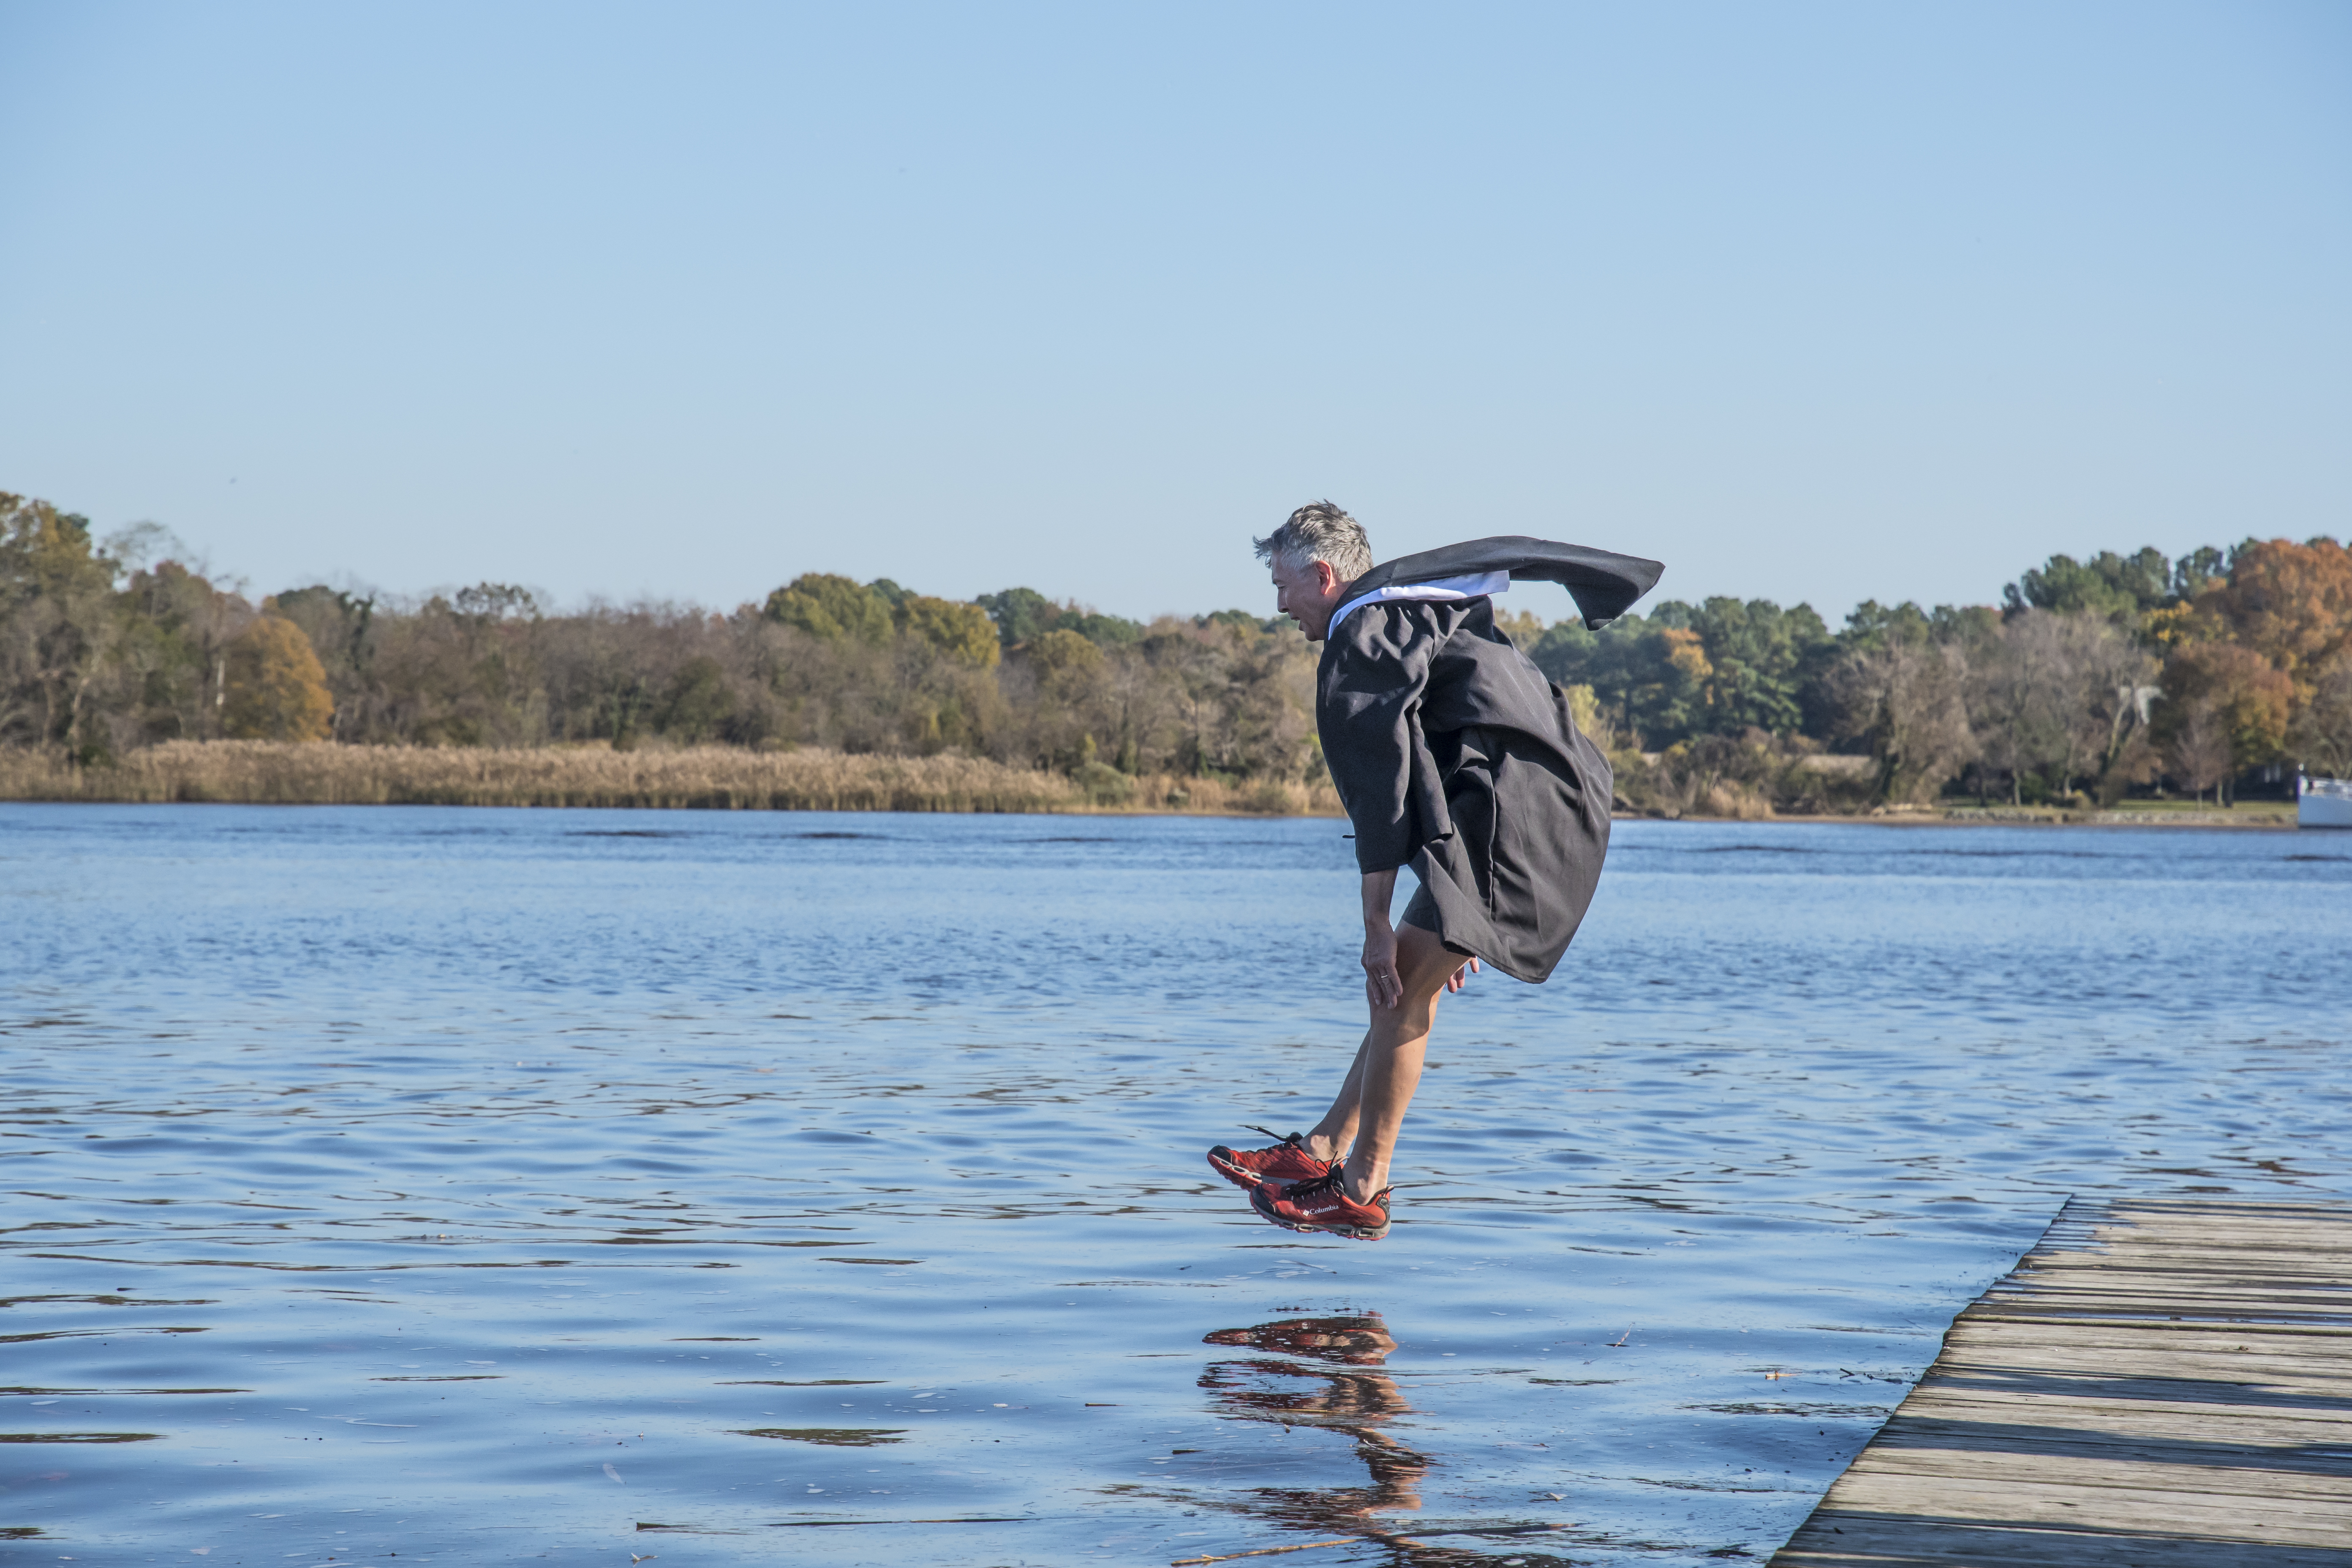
x,y
1461,977
1381,987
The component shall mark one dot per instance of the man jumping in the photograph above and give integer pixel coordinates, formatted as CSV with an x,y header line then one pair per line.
x,y
1454,755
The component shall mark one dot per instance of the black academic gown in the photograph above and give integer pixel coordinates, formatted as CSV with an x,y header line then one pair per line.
x,y
1454,755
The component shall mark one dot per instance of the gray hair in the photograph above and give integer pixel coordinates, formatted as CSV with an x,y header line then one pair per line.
x,y
1319,532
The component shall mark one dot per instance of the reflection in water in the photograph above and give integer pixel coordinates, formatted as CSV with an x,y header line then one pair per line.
x,y
1327,1373
1358,1401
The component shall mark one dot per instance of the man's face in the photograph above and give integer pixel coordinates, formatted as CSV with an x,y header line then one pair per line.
x,y
1308,595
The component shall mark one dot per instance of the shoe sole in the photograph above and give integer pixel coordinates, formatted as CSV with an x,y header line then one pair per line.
x,y
1233,1173
1305,1227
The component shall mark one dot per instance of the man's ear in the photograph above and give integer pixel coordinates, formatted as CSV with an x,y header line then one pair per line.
x,y
1326,579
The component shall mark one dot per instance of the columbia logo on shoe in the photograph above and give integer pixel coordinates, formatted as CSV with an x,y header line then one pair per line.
x,y
1323,1203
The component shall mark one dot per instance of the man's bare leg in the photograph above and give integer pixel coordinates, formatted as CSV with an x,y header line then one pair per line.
x,y
1392,1050
1388,1064
1332,1136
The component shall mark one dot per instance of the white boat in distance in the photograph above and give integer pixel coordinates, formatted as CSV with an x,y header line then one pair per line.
x,y
2323,803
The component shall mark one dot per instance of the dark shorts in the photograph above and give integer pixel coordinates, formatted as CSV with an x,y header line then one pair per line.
x,y
1421,910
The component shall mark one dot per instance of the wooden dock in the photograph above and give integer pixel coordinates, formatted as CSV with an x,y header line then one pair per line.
x,y
2160,1384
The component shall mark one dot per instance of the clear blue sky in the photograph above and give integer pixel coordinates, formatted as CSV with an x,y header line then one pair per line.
x,y
1819,301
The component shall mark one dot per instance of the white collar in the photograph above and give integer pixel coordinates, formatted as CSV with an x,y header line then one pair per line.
x,y
1477,586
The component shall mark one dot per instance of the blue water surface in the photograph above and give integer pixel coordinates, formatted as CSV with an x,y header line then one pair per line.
x,y
831,1187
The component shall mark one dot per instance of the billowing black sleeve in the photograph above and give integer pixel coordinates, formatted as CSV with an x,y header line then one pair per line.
x,y
1370,687
1604,583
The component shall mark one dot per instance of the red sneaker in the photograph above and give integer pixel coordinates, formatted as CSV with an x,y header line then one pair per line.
x,y
1323,1203
1287,1161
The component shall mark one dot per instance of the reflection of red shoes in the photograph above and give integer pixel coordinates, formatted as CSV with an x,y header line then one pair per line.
x,y
1287,1161
1323,1203
1356,1341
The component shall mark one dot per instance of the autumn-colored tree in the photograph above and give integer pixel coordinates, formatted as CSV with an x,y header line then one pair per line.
x,y
2170,626
2291,603
2251,698
275,687
341,626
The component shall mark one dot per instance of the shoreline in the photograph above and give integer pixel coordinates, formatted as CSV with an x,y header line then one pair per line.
x,y
266,773
2264,816
707,778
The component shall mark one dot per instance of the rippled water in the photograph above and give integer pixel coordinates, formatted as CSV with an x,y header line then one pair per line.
x,y
478,1185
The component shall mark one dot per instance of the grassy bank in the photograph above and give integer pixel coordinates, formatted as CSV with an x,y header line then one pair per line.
x,y
728,778
2135,814
273,772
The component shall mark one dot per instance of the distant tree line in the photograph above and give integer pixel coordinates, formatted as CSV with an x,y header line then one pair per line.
x,y
100,655
2091,679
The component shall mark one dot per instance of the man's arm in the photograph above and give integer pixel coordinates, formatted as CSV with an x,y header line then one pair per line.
x,y
1367,695
1381,985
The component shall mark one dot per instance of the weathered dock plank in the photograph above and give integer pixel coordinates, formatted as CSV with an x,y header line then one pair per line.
x,y
2160,1384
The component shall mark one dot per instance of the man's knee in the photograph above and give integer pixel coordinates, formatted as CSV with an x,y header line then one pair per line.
x,y
1425,963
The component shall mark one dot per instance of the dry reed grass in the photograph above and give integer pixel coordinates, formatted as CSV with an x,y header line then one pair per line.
x,y
276,773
